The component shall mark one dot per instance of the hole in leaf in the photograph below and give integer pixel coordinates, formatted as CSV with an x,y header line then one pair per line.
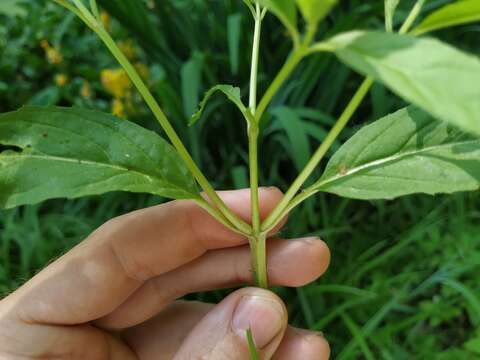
x,y
10,149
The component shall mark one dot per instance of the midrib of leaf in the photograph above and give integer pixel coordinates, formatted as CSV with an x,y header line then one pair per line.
x,y
417,132
383,161
88,138
88,163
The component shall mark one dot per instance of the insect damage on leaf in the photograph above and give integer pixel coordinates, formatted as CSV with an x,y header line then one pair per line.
x,y
342,170
10,149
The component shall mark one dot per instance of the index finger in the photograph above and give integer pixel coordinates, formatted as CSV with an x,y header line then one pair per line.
x,y
100,273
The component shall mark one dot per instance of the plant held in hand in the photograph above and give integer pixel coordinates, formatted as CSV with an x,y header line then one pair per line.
x,y
432,146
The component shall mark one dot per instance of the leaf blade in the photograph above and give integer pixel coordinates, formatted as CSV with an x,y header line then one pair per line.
x,y
314,11
285,11
62,152
404,153
444,82
458,13
293,125
232,93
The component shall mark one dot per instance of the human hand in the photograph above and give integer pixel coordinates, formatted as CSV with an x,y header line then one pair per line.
x,y
114,295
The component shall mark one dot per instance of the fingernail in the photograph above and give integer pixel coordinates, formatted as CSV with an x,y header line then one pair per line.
x,y
308,334
310,240
262,315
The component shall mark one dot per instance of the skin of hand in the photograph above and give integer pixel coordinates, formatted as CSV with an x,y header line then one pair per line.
x,y
114,295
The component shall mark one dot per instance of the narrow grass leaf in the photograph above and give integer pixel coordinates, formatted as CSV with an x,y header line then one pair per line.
x,y
191,77
234,30
61,152
357,336
404,153
426,72
251,346
240,177
306,308
299,147
469,296
454,14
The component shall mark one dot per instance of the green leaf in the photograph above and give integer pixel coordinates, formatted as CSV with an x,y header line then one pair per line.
x,y
298,146
232,93
426,72
390,7
473,345
12,7
314,11
404,153
286,11
458,13
234,30
191,78
57,152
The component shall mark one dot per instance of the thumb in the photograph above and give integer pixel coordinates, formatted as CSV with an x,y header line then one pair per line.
x,y
221,334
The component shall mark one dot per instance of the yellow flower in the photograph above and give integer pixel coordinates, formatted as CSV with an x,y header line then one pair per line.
x,y
116,82
128,49
105,18
86,90
53,54
44,44
118,109
61,79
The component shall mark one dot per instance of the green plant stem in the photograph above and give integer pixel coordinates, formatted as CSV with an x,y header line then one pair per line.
x,y
258,252
94,7
282,76
310,35
253,168
277,214
253,126
300,51
74,10
255,53
258,248
258,239
216,214
412,17
160,116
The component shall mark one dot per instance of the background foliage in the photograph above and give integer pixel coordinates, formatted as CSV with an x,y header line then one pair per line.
x,y
403,283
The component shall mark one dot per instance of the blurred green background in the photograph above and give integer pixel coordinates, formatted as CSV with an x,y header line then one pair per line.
x,y
404,279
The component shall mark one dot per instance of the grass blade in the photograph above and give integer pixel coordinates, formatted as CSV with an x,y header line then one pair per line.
x,y
251,346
